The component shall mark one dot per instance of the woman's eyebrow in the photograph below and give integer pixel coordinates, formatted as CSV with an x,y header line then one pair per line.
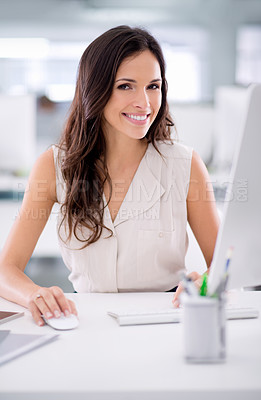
x,y
133,80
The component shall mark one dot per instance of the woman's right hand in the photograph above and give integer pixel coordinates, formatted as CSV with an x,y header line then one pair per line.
x,y
50,302
197,280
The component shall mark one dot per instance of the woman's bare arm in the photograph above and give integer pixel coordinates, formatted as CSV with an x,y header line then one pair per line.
x,y
39,198
202,214
201,205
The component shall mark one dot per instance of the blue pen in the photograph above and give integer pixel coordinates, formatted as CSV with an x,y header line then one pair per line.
x,y
229,255
223,283
228,259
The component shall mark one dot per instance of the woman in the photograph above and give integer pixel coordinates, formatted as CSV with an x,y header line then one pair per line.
x,y
126,191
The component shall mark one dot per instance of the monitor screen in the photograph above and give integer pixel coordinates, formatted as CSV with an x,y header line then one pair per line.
x,y
241,223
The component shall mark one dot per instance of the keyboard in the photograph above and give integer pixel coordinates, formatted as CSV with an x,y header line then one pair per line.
x,y
174,315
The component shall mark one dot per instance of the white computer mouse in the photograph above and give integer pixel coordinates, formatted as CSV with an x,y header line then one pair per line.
x,y
62,323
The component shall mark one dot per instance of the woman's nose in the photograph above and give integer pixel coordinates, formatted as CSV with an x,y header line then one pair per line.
x,y
141,99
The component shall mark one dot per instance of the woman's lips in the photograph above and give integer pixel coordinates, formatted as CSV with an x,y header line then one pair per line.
x,y
137,119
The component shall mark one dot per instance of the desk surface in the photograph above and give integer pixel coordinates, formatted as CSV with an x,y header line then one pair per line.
x,y
101,360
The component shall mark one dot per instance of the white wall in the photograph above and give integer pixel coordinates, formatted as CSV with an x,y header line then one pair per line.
x,y
17,132
195,127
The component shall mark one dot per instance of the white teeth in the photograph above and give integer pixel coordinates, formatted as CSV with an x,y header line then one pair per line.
x,y
137,117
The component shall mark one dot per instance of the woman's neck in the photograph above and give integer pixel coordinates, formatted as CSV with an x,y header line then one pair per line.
x,y
122,160
124,153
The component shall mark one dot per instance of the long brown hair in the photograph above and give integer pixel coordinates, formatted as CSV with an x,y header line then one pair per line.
x,y
84,149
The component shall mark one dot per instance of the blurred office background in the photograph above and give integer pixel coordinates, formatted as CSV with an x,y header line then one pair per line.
x,y
213,52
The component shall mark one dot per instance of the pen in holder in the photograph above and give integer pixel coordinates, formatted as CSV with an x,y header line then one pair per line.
x,y
204,324
204,319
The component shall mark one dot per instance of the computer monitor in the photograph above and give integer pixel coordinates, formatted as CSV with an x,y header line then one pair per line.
x,y
241,223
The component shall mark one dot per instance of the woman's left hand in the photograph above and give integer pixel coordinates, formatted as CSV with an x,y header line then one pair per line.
x,y
196,278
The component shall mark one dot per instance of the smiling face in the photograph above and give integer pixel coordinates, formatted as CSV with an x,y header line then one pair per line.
x,y
136,97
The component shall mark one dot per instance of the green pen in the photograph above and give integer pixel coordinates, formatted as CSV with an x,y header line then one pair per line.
x,y
204,285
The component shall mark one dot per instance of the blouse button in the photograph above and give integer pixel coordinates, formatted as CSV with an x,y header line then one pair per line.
x,y
161,234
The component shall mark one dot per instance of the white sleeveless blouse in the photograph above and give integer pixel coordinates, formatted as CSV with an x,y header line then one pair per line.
x,y
147,249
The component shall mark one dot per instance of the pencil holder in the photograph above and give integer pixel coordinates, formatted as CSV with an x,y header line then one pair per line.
x,y
204,325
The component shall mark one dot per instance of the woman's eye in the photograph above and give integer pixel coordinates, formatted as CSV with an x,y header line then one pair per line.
x,y
153,86
124,86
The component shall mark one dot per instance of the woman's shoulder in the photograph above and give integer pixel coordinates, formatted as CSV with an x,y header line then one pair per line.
x,y
50,160
45,162
43,172
174,150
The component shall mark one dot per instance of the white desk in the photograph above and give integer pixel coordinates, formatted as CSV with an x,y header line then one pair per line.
x,y
101,360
